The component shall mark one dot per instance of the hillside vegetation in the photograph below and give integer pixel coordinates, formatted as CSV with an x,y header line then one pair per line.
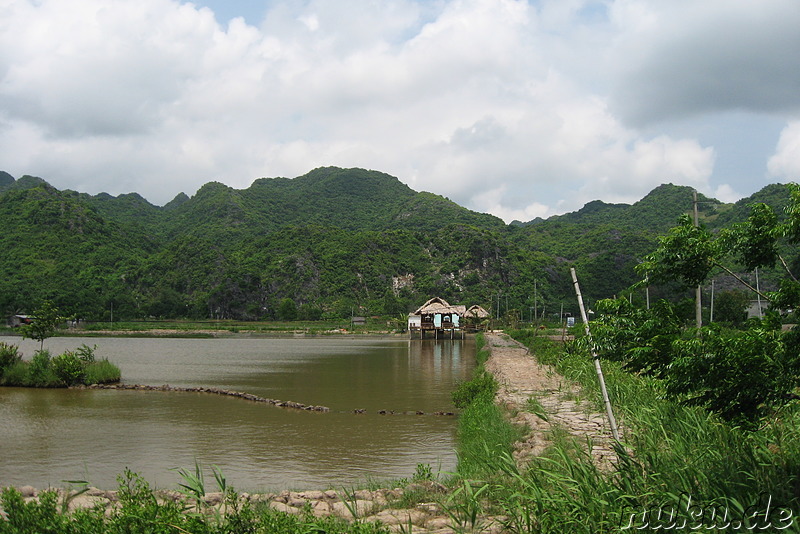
x,y
329,243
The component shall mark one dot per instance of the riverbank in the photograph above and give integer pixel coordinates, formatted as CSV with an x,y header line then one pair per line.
x,y
226,328
215,333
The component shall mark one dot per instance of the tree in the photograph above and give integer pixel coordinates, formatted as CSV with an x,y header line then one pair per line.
x,y
741,374
731,307
287,310
46,320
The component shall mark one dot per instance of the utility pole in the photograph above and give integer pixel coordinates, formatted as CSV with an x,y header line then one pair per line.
x,y
698,312
711,316
758,296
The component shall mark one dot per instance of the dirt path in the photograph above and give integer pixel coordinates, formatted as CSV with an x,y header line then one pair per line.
x,y
556,402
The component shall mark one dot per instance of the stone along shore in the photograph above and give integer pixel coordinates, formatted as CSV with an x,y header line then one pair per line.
x,y
381,505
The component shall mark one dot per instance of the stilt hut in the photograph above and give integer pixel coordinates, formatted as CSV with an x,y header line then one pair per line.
x,y
437,316
476,319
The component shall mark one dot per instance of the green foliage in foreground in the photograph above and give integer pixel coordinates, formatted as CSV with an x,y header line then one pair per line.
x,y
139,511
674,459
743,375
483,429
78,367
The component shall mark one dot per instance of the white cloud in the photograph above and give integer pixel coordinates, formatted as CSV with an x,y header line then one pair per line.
x,y
501,105
491,201
725,193
785,163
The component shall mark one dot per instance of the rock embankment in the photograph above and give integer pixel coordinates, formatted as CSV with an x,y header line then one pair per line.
x,y
211,390
249,397
383,505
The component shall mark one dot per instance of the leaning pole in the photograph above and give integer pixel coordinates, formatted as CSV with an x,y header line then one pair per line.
x,y
611,420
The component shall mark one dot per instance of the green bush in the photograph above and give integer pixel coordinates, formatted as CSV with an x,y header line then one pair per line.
x,y
86,353
482,386
40,372
9,355
68,368
15,375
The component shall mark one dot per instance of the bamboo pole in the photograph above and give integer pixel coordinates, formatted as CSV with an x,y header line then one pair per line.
x,y
611,420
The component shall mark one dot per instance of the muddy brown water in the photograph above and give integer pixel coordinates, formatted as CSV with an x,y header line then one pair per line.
x,y
51,436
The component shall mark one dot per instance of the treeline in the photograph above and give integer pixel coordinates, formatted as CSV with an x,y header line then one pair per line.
x,y
331,243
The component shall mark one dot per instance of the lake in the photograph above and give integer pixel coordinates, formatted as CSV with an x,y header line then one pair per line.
x,y
51,436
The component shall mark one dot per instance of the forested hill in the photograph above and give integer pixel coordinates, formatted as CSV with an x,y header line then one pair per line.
x,y
351,199
327,243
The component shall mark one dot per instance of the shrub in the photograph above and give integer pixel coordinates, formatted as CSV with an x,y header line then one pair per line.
x,y
40,372
68,368
86,353
15,375
9,355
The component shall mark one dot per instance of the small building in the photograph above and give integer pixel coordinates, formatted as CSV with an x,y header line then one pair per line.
x,y
437,316
476,318
14,321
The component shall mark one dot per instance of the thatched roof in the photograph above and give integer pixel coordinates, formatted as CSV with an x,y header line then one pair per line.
x,y
476,311
439,305
434,305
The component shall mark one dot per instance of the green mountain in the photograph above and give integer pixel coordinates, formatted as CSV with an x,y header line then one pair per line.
x,y
6,180
350,199
57,247
333,241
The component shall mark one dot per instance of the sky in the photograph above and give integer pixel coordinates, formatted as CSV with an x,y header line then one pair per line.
x,y
518,108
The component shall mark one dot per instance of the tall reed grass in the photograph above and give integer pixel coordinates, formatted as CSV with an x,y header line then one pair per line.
x,y
101,372
680,467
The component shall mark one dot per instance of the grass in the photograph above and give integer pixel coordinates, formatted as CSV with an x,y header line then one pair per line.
x,y
679,460
102,372
139,511
483,428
